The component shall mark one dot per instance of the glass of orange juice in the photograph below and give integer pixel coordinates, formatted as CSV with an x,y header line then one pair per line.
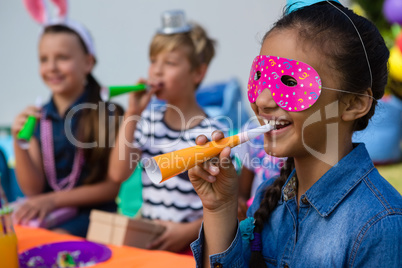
x,y
8,250
8,240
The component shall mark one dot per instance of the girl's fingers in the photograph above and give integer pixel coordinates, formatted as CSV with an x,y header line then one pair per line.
x,y
42,215
24,214
201,173
32,213
30,111
21,121
212,166
217,135
224,158
17,216
21,212
201,139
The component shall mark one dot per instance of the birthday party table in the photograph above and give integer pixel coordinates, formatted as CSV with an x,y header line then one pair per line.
x,y
122,256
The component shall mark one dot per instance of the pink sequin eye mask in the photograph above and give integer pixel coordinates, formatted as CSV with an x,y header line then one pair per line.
x,y
295,86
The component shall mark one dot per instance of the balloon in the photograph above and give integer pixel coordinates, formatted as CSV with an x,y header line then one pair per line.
x,y
395,64
358,10
398,42
392,10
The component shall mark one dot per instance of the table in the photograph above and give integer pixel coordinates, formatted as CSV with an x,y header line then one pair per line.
x,y
122,256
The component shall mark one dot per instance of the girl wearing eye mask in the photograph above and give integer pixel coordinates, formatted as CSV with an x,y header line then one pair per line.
x,y
318,77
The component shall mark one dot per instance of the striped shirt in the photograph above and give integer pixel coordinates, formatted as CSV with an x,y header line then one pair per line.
x,y
175,199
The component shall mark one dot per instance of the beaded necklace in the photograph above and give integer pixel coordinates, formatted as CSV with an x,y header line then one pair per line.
x,y
49,166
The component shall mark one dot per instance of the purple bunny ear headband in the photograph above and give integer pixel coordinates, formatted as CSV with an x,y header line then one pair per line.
x,y
295,86
40,12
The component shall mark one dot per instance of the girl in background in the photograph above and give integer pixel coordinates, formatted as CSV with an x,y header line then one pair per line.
x,y
67,160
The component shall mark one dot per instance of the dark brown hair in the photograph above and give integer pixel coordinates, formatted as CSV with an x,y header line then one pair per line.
x,y
88,126
333,36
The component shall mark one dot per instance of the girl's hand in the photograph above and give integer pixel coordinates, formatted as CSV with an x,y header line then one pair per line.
x,y
215,181
36,207
138,101
19,121
177,236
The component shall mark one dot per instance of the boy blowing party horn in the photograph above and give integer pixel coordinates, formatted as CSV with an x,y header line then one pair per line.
x,y
162,167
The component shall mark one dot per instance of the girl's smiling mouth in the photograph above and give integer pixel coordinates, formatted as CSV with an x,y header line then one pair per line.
x,y
280,125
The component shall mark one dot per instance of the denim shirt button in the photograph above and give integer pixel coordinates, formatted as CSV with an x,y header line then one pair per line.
x,y
304,200
218,265
286,266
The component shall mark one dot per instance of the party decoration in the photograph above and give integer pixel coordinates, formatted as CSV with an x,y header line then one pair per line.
x,y
295,86
41,13
358,10
173,22
392,10
65,260
395,63
108,92
398,42
25,134
163,167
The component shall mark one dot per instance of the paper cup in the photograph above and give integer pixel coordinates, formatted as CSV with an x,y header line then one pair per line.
x,y
165,166
107,93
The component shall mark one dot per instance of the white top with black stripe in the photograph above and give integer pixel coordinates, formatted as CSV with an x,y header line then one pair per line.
x,y
175,199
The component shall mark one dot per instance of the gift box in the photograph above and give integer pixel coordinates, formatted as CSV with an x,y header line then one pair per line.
x,y
116,229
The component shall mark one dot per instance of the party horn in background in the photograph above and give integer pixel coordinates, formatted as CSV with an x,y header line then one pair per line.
x,y
27,130
165,166
108,92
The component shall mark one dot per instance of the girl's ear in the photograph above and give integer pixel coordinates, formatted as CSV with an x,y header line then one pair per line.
x,y
90,63
356,106
200,73
37,10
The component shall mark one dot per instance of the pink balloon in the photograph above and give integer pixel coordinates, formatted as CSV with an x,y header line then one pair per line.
x,y
398,41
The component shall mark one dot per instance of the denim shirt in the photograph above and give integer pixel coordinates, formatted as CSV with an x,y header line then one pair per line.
x,y
351,217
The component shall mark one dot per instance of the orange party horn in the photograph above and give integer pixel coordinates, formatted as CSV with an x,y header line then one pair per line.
x,y
165,166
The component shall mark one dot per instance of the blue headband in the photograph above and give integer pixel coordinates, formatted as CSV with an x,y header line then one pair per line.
x,y
297,4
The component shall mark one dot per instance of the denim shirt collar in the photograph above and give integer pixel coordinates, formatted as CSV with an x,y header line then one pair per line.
x,y
336,183
50,108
